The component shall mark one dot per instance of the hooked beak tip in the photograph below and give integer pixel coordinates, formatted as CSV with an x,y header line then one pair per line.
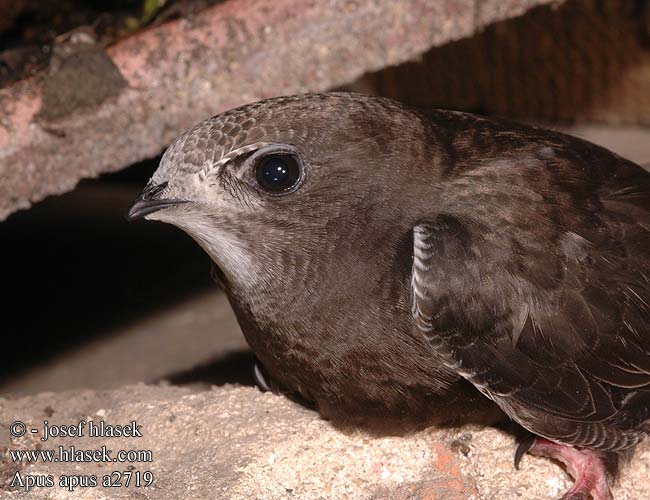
x,y
143,207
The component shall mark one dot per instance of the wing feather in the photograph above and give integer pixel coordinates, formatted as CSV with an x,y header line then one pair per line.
x,y
577,349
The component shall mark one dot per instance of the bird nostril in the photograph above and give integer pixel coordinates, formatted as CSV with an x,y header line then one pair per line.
x,y
152,190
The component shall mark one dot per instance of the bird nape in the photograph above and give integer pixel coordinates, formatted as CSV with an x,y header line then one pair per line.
x,y
380,258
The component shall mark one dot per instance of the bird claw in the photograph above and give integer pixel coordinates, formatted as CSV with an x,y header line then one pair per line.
x,y
524,446
260,377
584,466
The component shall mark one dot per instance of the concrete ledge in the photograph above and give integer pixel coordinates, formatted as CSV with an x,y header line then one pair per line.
x,y
186,70
236,443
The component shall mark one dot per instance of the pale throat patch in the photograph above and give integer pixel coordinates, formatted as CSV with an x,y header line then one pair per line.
x,y
228,252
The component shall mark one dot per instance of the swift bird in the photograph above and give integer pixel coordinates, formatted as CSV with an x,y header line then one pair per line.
x,y
378,257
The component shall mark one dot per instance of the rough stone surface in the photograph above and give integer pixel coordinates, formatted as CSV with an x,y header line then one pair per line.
x,y
186,70
236,443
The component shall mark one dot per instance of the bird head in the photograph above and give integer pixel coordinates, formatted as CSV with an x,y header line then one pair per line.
x,y
288,183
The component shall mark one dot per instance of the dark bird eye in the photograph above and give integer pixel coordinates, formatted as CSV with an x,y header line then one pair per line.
x,y
278,173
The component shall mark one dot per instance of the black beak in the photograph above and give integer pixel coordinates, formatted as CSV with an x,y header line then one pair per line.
x,y
142,207
148,202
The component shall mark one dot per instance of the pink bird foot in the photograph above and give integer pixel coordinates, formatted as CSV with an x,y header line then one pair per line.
x,y
585,466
